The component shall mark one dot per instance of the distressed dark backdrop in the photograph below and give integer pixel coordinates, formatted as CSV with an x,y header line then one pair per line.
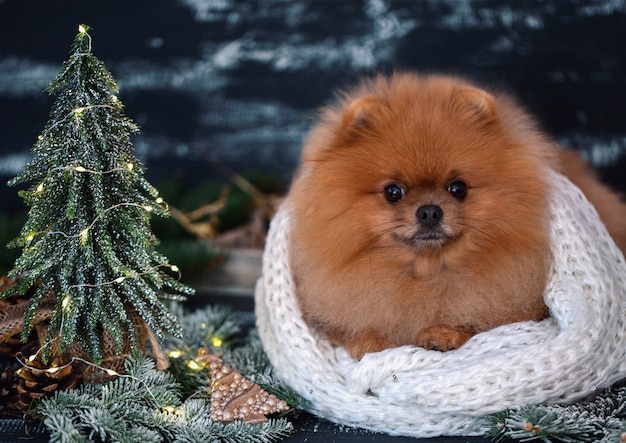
x,y
239,80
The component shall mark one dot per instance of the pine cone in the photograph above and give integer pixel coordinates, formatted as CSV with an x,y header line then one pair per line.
x,y
12,311
8,389
37,381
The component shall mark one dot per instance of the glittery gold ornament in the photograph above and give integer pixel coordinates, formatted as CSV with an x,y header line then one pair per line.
x,y
234,397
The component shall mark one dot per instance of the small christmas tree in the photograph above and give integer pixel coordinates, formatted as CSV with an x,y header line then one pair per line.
x,y
88,239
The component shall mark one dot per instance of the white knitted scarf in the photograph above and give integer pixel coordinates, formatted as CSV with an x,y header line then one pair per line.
x,y
414,392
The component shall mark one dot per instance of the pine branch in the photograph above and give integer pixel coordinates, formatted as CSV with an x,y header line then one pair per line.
x,y
216,327
144,406
220,328
604,419
199,428
129,408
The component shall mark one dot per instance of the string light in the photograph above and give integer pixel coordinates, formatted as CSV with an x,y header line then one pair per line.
x,y
130,166
109,371
91,171
193,365
84,235
217,342
175,354
77,112
82,29
84,232
65,303
39,188
119,279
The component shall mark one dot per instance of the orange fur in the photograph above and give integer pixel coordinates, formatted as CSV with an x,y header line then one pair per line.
x,y
368,273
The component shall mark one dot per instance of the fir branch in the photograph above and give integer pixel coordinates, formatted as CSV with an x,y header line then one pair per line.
x,y
144,406
198,427
62,428
600,420
128,408
220,328
215,327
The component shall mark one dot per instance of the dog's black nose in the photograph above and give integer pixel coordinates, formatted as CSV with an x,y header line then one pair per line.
x,y
429,215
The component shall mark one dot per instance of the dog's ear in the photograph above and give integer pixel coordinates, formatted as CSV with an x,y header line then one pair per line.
x,y
348,121
475,104
362,115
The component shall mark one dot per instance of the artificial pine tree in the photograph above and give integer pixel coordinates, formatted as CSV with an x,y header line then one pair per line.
x,y
88,241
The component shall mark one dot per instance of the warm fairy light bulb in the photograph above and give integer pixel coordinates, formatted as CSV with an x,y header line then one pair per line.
x,y
79,110
130,166
29,238
79,169
84,235
148,208
66,302
170,409
174,268
40,187
82,29
52,370
32,358
217,342
119,279
175,354
193,365
111,372
159,200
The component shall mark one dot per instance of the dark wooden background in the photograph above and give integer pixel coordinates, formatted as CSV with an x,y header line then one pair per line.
x,y
239,80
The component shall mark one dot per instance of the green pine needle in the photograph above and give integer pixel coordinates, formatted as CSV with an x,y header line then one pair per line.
x,y
603,419
145,405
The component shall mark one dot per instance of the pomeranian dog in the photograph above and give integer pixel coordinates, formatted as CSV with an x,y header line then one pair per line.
x,y
420,214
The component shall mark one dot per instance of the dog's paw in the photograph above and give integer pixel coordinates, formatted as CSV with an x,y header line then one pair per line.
x,y
366,343
442,338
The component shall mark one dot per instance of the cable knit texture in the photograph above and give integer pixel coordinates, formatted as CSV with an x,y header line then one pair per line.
x,y
414,392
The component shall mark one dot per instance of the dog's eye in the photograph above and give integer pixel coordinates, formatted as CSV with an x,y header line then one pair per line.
x,y
458,189
394,193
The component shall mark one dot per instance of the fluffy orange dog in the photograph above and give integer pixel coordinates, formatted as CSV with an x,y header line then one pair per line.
x,y
420,215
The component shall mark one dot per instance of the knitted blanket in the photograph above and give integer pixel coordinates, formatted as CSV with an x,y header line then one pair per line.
x,y
414,392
